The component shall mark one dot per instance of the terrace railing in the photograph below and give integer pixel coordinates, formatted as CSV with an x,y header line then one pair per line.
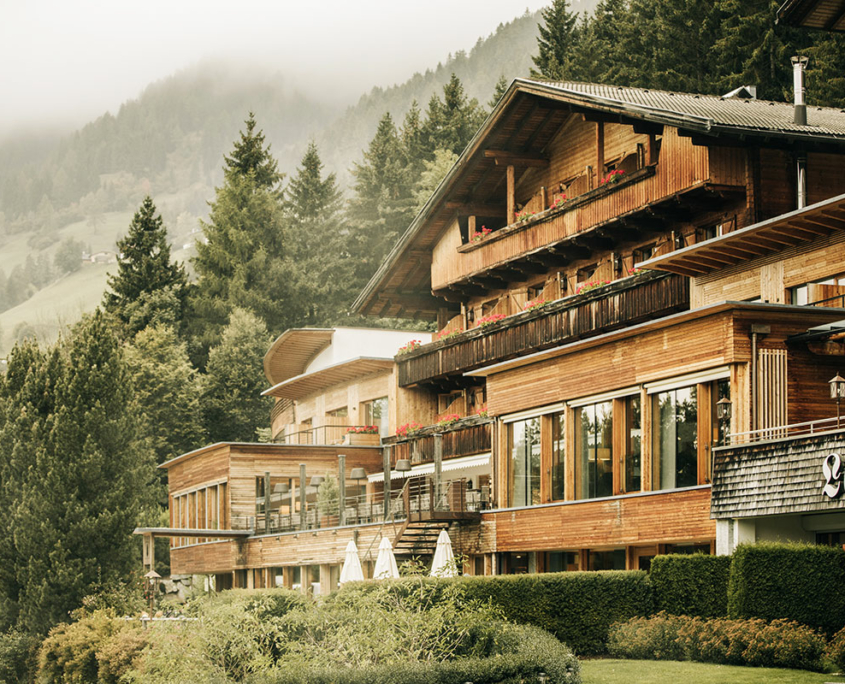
x,y
624,302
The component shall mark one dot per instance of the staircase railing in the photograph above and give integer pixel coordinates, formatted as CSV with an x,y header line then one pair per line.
x,y
390,518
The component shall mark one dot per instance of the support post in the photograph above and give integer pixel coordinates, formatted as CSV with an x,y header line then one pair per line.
x,y
386,466
511,176
302,524
438,470
599,150
341,484
267,503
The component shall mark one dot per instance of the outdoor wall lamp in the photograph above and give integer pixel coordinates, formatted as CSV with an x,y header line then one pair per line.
x,y
724,409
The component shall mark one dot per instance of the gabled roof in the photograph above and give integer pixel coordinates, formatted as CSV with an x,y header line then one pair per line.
x,y
525,120
826,15
773,235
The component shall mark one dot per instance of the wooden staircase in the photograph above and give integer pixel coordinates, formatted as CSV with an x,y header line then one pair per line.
x,y
418,538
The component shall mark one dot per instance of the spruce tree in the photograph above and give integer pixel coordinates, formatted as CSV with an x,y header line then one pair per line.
x,y
148,286
557,55
251,156
498,91
76,474
451,122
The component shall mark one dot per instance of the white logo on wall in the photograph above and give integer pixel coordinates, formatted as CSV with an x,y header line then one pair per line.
x,y
832,470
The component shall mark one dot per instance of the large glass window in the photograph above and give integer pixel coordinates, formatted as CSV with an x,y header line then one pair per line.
x,y
524,469
558,469
375,412
594,451
633,445
675,442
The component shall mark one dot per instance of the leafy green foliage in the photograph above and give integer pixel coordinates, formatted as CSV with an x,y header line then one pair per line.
x,y
694,585
69,256
18,657
789,581
74,474
232,405
147,287
781,643
835,651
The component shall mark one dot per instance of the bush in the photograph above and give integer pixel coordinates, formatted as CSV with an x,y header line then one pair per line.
x,y
18,657
754,642
789,582
577,607
528,651
835,651
695,585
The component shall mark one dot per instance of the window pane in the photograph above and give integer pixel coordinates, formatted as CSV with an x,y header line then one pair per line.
x,y
633,445
376,413
524,472
558,457
594,451
676,438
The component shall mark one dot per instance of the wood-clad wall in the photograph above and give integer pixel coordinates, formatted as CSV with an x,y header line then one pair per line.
x,y
681,166
656,518
349,394
777,183
210,466
211,557
682,348
825,176
770,277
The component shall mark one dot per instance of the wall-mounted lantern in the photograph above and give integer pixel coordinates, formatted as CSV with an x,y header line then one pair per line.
x,y
837,391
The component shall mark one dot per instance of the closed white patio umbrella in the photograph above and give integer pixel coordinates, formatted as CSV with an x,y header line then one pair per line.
x,y
352,571
444,559
386,567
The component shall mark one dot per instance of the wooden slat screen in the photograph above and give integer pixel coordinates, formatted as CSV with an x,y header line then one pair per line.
x,y
771,391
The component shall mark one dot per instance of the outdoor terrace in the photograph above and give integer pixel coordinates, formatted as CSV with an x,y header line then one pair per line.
x,y
624,302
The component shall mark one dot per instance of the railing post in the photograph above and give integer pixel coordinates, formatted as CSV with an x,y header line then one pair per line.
x,y
302,525
341,484
386,466
438,468
267,503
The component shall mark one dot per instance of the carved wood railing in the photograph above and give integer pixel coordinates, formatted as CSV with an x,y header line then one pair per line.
x,y
623,302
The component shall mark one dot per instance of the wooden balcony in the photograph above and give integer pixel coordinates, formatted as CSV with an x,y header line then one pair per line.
x,y
466,437
624,302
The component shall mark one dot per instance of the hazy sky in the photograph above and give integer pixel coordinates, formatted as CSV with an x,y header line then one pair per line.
x,y
67,61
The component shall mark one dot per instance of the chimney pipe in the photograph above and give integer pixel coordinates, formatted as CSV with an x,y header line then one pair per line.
x,y
799,63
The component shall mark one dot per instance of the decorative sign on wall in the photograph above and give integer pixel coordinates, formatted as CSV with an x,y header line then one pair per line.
x,y
832,471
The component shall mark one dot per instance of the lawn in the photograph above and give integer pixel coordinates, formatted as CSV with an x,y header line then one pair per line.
x,y
671,672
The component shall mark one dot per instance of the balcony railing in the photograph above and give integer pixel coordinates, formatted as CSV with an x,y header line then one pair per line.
x,y
417,499
811,427
624,302
322,435
466,437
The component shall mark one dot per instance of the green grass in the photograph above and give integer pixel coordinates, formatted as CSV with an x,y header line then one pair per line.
x,y
672,672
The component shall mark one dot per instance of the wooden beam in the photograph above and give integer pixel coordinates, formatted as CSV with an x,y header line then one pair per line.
x,y
599,149
768,241
540,127
511,195
476,208
743,252
680,270
707,262
797,231
503,157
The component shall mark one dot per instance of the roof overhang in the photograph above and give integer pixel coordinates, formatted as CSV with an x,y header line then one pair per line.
x,y
293,350
402,282
206,534
347,371
825,15
774,235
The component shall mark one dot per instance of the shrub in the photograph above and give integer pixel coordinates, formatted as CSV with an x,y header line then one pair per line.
x,y
527,651
790,582
695,585
18,657
577,607
755,642
835,651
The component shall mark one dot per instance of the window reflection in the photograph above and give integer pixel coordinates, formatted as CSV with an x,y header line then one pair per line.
x,y
524,471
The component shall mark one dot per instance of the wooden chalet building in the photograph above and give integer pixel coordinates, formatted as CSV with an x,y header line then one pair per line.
x,y
624,282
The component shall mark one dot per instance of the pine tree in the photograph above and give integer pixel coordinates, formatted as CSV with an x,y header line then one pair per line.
x,y
232,407
604,37
451,122
498,92
251,156
147,287
75,474
557,43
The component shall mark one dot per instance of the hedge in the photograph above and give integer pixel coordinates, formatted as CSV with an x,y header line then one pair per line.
x,y
695,585
789,581
534,651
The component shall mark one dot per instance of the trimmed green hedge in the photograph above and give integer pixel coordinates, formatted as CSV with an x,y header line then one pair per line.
x,y
789,581
694,585
534,651
577,607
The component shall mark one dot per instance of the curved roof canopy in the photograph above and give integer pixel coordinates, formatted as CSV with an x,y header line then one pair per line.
x,y
293,350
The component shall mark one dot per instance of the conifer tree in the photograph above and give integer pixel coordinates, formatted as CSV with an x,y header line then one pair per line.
x,y
251,156
148,286
451,122
75,474
232,407
557,55
498,91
